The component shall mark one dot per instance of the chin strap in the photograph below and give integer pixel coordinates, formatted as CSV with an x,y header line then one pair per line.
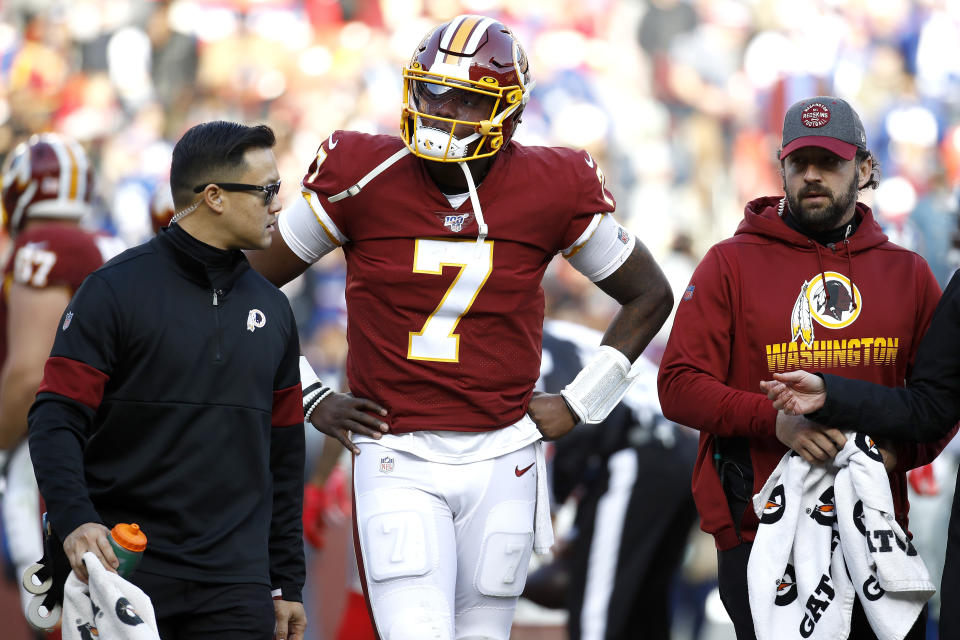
x,y
475,202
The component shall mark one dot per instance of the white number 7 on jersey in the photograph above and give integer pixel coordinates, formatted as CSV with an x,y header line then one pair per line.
x,y
437,341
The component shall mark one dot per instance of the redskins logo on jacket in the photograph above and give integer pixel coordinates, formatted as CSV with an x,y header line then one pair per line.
x,y
830,299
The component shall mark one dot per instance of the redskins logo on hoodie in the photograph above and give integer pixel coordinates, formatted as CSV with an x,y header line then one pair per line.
x,y
830,299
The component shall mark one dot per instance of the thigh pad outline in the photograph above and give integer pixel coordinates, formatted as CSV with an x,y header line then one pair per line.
x,y
505,550
399,535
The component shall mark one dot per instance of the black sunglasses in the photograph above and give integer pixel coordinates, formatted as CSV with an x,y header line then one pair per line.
x,y
269,191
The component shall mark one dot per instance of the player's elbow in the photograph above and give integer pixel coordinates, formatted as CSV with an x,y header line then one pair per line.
x,y
666,300
659,300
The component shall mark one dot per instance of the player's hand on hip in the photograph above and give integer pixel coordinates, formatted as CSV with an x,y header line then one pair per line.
x,y
815,443
291,620
551,415
90,536
340,413
795,392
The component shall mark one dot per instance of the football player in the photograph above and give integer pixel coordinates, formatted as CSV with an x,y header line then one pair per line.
x,y
47,185
447,230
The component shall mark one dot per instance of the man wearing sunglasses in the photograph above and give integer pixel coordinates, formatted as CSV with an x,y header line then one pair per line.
x,y
172,399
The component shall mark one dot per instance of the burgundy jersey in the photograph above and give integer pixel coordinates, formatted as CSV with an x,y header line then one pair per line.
x,y
445,332
52,255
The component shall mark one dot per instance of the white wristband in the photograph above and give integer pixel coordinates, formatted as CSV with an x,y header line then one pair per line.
x,y
599,386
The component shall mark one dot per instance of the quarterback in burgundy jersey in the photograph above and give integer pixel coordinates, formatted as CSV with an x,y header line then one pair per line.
x,y
47,183
447,231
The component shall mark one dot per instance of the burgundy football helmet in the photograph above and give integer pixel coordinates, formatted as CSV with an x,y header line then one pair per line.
x,y
48,176
161,206
464,90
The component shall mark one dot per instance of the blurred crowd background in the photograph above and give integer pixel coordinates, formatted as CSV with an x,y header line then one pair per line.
x,y
681,101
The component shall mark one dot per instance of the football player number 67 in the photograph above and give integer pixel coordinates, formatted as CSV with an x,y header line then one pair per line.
x,y
32,265
436,340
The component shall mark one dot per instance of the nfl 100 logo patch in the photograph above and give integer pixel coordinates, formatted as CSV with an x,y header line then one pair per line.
x,y
386,464
455,222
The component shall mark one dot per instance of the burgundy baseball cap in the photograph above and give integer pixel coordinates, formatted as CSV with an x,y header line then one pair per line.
x,y
824,121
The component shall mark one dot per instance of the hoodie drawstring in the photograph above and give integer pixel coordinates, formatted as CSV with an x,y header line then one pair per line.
x,y
823,275
853,289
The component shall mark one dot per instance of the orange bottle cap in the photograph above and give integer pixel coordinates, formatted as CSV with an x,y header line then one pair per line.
x,y
129,536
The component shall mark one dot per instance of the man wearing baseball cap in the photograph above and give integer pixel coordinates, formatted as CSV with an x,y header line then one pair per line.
x,y
829,123
807,277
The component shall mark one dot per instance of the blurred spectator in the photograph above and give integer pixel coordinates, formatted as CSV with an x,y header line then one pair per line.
x,y
173,63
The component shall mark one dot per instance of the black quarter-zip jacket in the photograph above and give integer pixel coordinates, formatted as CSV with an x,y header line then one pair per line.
x,y
172,399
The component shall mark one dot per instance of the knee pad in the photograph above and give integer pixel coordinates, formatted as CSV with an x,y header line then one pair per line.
x,y
398,540
505,550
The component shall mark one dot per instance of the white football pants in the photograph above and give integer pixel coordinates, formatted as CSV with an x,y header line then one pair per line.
x,y
444,547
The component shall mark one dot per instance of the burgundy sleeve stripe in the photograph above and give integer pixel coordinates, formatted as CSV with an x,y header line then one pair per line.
x,y
287,406
74,380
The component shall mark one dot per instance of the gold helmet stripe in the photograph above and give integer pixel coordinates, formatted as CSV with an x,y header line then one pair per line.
x,y
80,168
477,34
462,36
67,180
451,31
459,39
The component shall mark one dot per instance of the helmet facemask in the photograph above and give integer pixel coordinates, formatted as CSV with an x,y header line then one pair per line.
x,y
444,117
464,90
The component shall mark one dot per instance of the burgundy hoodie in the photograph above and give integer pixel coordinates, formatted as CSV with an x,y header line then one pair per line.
x,y
768,300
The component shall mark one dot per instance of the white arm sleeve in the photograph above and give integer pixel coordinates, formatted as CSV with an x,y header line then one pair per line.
x,y
308,230
601,248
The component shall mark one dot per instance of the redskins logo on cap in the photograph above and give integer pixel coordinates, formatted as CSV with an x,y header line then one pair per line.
x,y
815,115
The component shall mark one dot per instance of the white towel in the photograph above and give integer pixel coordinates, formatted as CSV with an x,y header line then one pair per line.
x,y
107,607
796,579
811,555
890,578
542,524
